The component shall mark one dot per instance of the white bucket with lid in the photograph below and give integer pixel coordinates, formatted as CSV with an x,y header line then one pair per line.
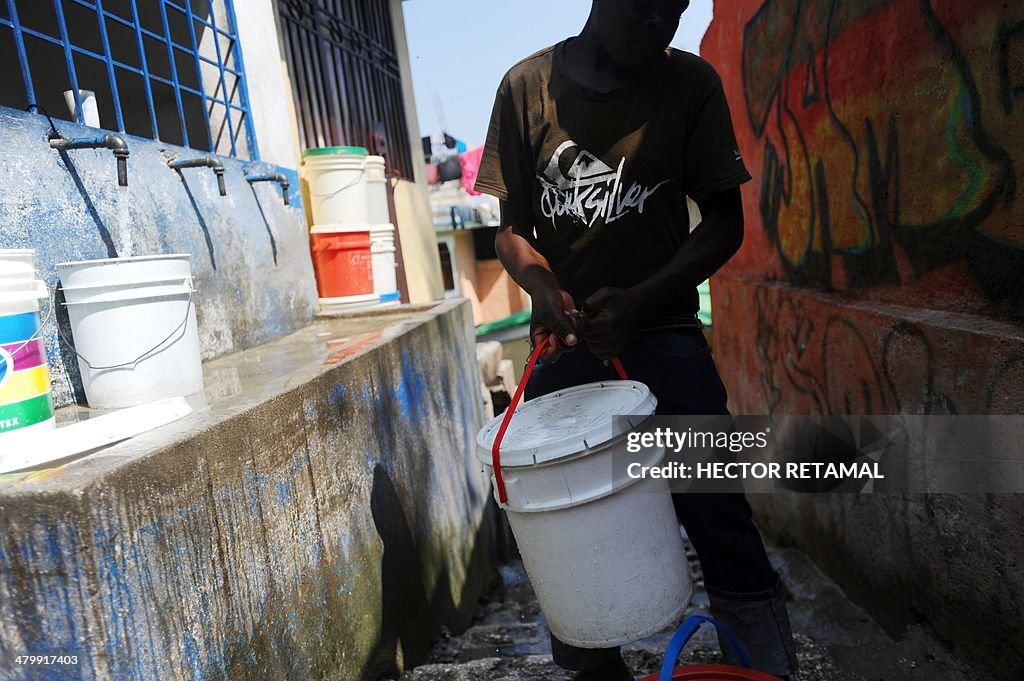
x,y
382,250
26,402
337,180
134,326
603,550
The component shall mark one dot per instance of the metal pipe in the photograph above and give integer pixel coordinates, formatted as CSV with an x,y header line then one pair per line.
x,y
115,143
203,162
279,178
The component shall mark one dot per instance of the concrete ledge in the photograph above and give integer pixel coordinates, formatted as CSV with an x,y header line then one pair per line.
x,y
321,516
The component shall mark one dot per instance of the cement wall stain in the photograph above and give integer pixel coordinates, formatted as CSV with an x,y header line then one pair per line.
x,y
320,534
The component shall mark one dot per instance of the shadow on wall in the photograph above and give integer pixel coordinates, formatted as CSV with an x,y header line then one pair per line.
x,y
202,221
90,207
67,352
410,619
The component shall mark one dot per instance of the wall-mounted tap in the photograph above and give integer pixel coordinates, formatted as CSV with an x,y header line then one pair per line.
x,y
115,143
279,178
203,162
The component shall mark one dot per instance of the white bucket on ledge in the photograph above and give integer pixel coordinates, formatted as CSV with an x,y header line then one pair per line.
x,y
134,326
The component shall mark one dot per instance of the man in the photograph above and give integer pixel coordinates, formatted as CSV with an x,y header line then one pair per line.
x,y
594,145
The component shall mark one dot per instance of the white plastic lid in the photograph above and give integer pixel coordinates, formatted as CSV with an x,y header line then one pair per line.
x,y
567,423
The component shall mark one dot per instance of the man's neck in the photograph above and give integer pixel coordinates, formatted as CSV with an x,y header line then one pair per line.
x,y
590,65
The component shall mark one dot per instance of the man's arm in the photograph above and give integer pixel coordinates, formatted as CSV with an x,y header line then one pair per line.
x,y
532,272
614,314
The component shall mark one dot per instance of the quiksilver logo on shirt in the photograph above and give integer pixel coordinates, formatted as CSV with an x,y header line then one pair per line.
x,y
587,189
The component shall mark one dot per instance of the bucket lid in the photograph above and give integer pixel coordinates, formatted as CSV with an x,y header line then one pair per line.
x,y
567,422
328,151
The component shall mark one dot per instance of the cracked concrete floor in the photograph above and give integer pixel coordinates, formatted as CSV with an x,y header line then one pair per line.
x,y
836,640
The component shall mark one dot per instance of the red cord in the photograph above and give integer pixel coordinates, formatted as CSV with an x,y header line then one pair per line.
x,y
499,480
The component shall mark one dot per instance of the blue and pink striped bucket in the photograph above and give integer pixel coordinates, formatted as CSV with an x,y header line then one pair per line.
x,y
25,400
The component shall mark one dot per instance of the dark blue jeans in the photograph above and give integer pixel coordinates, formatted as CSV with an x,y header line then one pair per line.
x,y
677,366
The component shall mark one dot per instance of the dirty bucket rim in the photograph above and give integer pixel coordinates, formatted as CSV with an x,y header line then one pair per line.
x,y
125,260
643,404
341,228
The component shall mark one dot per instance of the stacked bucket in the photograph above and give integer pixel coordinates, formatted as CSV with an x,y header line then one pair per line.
x,y
25,400
352,239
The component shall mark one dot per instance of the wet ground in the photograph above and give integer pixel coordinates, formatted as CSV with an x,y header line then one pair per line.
x,y
837,641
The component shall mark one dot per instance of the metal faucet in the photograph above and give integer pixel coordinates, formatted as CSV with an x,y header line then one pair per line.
x,y
115,143
203,162
280,178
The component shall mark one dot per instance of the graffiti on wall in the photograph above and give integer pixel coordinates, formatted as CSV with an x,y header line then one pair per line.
x,y
835,363
892,138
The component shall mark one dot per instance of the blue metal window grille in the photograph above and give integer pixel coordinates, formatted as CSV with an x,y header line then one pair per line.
x,y
171,70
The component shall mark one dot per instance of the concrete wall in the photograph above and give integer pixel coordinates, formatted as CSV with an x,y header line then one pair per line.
x,y
419,242
250,252
881,274
323,520
270,88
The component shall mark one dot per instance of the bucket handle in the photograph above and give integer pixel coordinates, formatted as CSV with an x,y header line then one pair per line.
x,y
499,480
147,353
362,171
683,635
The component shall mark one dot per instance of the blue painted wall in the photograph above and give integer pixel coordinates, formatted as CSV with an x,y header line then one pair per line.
x,y
250,254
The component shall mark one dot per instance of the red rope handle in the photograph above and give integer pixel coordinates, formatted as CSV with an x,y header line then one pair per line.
x,y
499,480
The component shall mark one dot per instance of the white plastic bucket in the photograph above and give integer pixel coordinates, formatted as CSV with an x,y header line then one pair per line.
x,y
337,181
90,111
134,327
377,190
604,554
26,403
382,250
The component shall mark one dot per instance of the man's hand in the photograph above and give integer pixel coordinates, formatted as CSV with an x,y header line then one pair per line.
x,y
612,318
553,320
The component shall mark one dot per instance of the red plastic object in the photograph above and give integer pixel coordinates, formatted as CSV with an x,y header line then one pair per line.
x,y
343,263
499,479
714,672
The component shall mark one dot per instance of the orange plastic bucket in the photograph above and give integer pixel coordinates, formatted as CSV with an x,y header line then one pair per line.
x,y
705,672
342,261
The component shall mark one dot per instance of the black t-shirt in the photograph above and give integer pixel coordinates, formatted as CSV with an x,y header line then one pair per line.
x,y
606,175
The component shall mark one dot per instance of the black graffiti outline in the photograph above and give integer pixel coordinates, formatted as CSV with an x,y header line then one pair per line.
x,y
929,245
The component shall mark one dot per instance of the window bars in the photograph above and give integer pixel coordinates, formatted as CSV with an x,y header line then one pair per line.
x,y
345,74
167,69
